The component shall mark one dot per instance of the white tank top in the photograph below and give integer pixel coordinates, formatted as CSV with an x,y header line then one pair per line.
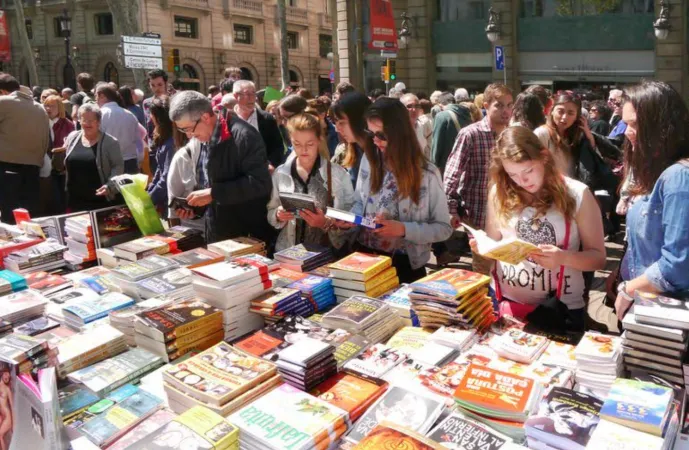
x,y
529,283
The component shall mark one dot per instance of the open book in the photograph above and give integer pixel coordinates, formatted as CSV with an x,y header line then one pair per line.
x,y
512,250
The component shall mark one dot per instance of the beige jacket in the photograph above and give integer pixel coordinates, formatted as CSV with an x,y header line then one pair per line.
x,y
24,130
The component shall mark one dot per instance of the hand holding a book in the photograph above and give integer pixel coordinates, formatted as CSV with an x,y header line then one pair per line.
x,y
200,198
315,220
622,304
284,216
389,228
549,256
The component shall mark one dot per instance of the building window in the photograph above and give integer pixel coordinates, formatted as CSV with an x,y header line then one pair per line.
x,y
186,27
292,3
555,8
56,27
110,73
453,10
29,28
292,40
243,34
293,78
246,74
104,24
325,45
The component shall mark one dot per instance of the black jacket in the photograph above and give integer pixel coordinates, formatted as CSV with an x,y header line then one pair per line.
x,y
240,186
268,127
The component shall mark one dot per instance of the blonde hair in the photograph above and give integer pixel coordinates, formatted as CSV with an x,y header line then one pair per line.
x,y
478,101
57,101
518,145
309,121
475,113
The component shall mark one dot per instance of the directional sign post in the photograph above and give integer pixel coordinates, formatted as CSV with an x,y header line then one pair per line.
x,y
500,61
142,52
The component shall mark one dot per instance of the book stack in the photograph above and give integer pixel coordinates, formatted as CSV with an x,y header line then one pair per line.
x,y
434,354
68,297
284,277
489,396
196,258
148,427
79,239
221,378
599,362
27,353
307,363
46,255
175,284
306,422
452,297
351,393
11,282
316,292
304,258
22,306
277,303
107,375
124,319
47,284
128,275
180,239
199,427
88,347
656,346
409,339
230,286
238,247
376,361
6,328
173,330
459,431
141,248
459,338
368,317
610,435
520,346
77,315
363,274
565,420
398,300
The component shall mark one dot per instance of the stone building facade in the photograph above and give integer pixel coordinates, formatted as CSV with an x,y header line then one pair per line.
x,y
210,35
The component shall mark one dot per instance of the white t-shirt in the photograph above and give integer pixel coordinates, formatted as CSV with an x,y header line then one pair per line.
x,y
529,283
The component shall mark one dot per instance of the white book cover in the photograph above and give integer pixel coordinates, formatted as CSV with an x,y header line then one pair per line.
x,y
559,354
611,436
599,347
455,337
225,273
520,346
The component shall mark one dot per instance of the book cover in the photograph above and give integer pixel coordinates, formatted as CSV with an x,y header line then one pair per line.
x,y
350,217
409,339
88,311
598,347
442,380
660,310
219,374
355,311
388,435
74,399
36,326
113,225
403,407
350,393
228,272
305,351
450,283
612,436
459,432
510,250
300,253
197,257
178,319
360,266
311,284
305,420
152,423
197,429
259,343
166,283
19,302
144,268
375,361
520,346
638,404
19,347
350,348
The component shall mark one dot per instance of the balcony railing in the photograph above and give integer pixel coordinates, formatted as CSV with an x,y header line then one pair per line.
x,y
198,4
325,21
300,15
250,7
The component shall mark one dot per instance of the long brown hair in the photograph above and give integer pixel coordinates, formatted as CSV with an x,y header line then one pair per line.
x,y
662,133
573,134
403,155
518,145
307,121
352,106
160,109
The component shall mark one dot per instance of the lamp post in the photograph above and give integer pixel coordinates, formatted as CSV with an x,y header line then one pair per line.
x,y
331,58
68,78
493,34
662,25
404,34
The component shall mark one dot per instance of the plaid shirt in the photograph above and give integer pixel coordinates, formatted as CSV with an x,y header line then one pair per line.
x,y
466,172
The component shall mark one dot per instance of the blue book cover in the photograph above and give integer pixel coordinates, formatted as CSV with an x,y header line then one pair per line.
x,y
312,284
89,311
16,281
642,403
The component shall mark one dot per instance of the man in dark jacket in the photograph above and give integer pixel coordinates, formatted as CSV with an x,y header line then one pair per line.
x,y
233,181
245,93
446,126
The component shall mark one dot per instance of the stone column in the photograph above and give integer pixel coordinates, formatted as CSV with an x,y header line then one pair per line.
x,y
413,62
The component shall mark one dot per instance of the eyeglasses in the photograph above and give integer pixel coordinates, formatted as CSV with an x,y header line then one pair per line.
x,y
413,106
378,135
187,130
615,102
593,110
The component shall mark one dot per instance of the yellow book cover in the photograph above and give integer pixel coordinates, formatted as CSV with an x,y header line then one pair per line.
x,y
450,284
511,250
360,266
409,339
381,278
388,435
383,288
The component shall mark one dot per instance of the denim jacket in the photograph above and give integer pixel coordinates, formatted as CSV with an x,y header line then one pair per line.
x,y
658,233
425,223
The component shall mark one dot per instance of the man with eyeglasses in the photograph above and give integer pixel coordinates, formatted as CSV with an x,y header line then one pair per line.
x,y
245,93
615,100
232,178
422,124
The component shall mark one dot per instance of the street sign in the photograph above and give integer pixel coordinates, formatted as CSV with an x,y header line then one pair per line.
x,y
332,76
151,35
142,62
499,57
141,40
388,54
153,51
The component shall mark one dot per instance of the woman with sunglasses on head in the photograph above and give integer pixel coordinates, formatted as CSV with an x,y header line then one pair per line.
x,y
309,171
401,190
347,114
657,154
530,199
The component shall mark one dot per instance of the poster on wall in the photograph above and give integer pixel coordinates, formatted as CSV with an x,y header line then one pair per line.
x,y
383,30
5,49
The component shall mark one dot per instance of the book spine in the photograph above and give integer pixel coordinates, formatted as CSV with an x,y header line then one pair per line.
x,y
211,321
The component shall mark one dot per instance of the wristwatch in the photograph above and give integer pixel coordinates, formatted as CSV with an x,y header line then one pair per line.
x,y
622,289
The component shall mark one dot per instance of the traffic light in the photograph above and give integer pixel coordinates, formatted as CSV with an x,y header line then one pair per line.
x,y
384,72
173,64
392,69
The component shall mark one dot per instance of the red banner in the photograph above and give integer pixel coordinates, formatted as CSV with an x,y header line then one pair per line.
x,y
383,31
5,48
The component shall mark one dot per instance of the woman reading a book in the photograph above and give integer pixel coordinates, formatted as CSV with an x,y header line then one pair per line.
x,y
309,172
531,200
657,154
402,191
348,116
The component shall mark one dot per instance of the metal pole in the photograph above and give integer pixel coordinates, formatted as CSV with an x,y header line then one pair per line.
x,y
504,67
387,88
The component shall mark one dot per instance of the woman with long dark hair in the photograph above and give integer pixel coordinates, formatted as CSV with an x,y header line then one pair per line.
x,y
401,190
348,116
130,105
656,154
528,111
164,148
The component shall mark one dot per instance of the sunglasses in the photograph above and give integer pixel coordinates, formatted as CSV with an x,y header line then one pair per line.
x,y
378,135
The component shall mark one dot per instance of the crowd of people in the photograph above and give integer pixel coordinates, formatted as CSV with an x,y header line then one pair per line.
x,y
543,167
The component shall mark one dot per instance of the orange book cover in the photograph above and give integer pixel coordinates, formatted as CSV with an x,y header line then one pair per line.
x,y
363,263
450,283
350,393
258,344
288,274
388,435
489,389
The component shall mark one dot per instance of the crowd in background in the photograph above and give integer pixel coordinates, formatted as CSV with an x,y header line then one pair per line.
x,y
554,169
